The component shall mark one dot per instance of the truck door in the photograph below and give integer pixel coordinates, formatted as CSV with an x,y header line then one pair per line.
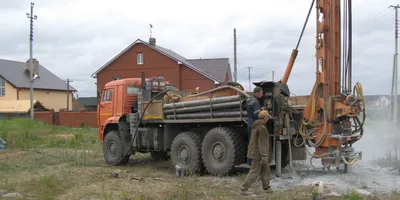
x,y
106,106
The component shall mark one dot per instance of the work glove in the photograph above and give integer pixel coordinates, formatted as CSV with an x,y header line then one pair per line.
x,y
264,160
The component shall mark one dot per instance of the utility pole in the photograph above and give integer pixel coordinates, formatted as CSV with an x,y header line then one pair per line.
x,y
273,74
390,113
31,17
249,68
234,56
68,81
396,35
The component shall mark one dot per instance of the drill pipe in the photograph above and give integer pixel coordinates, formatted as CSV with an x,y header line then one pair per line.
x,y
208,115
220,106
209,101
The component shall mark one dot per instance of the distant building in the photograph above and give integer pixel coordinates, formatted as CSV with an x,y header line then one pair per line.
x,y
86,103
49,89
154,60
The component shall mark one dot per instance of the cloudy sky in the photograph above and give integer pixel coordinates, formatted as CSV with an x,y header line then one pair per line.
x,y
74,38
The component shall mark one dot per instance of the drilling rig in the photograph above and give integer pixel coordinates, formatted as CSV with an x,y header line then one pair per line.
x,y
331,120
208,131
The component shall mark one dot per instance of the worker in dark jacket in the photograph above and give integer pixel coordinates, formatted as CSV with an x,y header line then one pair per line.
x,y
258,151
253,108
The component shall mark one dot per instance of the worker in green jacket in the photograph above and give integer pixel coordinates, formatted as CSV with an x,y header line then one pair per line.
x,y
258,151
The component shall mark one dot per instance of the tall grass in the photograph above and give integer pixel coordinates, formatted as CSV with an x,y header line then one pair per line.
x,y
26,134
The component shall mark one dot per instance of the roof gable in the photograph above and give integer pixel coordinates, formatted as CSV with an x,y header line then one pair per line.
x,y
16,74
169,53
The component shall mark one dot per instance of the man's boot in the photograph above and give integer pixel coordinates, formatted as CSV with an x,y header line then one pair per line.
x,y
267,189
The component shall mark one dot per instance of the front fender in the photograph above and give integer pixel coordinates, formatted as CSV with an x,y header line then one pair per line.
x,y
102,130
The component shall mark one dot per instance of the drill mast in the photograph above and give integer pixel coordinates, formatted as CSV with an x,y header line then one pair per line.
x,y
331,107
331,118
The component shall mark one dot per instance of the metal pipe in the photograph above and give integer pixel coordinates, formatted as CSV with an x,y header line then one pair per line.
x,y
143,80
278,165
220,106
289,66
205,115
220,88
293,56
202,102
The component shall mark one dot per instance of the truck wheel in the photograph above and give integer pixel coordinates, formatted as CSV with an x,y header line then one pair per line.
x,y
159,155
186,150
222,149
113,150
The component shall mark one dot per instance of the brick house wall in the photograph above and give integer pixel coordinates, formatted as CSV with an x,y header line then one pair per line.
x,y
190,79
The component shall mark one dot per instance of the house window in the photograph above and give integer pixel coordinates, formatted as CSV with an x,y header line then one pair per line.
x,y
115,78
139,58
2,87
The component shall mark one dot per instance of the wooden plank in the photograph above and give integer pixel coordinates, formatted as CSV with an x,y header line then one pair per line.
x,y
153,111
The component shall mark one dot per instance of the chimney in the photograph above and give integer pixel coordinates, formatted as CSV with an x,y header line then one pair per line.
x,y
152,41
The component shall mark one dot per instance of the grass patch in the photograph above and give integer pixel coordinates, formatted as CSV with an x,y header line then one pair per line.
x,y
26,134
353,195
47,162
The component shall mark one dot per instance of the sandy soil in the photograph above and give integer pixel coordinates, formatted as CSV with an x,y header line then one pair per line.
x,y
377,172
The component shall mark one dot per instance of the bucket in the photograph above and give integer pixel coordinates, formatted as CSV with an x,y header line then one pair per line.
x,y
318,190
179,171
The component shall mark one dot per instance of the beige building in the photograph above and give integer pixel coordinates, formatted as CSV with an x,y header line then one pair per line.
x,y
49,89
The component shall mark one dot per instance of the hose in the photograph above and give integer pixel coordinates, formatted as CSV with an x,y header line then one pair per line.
x,y
357,88
219,88
349,163
140,120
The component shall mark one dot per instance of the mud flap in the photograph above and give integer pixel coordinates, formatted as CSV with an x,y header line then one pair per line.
x,y
125,135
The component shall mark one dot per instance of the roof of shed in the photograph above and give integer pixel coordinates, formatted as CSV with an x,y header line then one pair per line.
x,y
88,101
217,67
212,69
15,73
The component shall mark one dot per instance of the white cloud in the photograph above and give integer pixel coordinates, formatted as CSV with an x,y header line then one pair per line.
x,y
74,38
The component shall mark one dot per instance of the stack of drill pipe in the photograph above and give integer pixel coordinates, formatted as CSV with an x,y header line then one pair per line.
x,y
217,107
208,115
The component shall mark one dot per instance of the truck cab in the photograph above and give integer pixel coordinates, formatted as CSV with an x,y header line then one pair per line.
x,y
118,99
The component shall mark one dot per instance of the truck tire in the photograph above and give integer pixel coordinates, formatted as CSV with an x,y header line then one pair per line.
x,y
222,149
159,155
186,151
113,150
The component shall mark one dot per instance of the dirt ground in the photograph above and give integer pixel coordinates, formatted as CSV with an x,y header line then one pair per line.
x,y
54,165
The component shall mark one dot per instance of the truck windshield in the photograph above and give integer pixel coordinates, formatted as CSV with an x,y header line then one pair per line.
x,y
132,90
